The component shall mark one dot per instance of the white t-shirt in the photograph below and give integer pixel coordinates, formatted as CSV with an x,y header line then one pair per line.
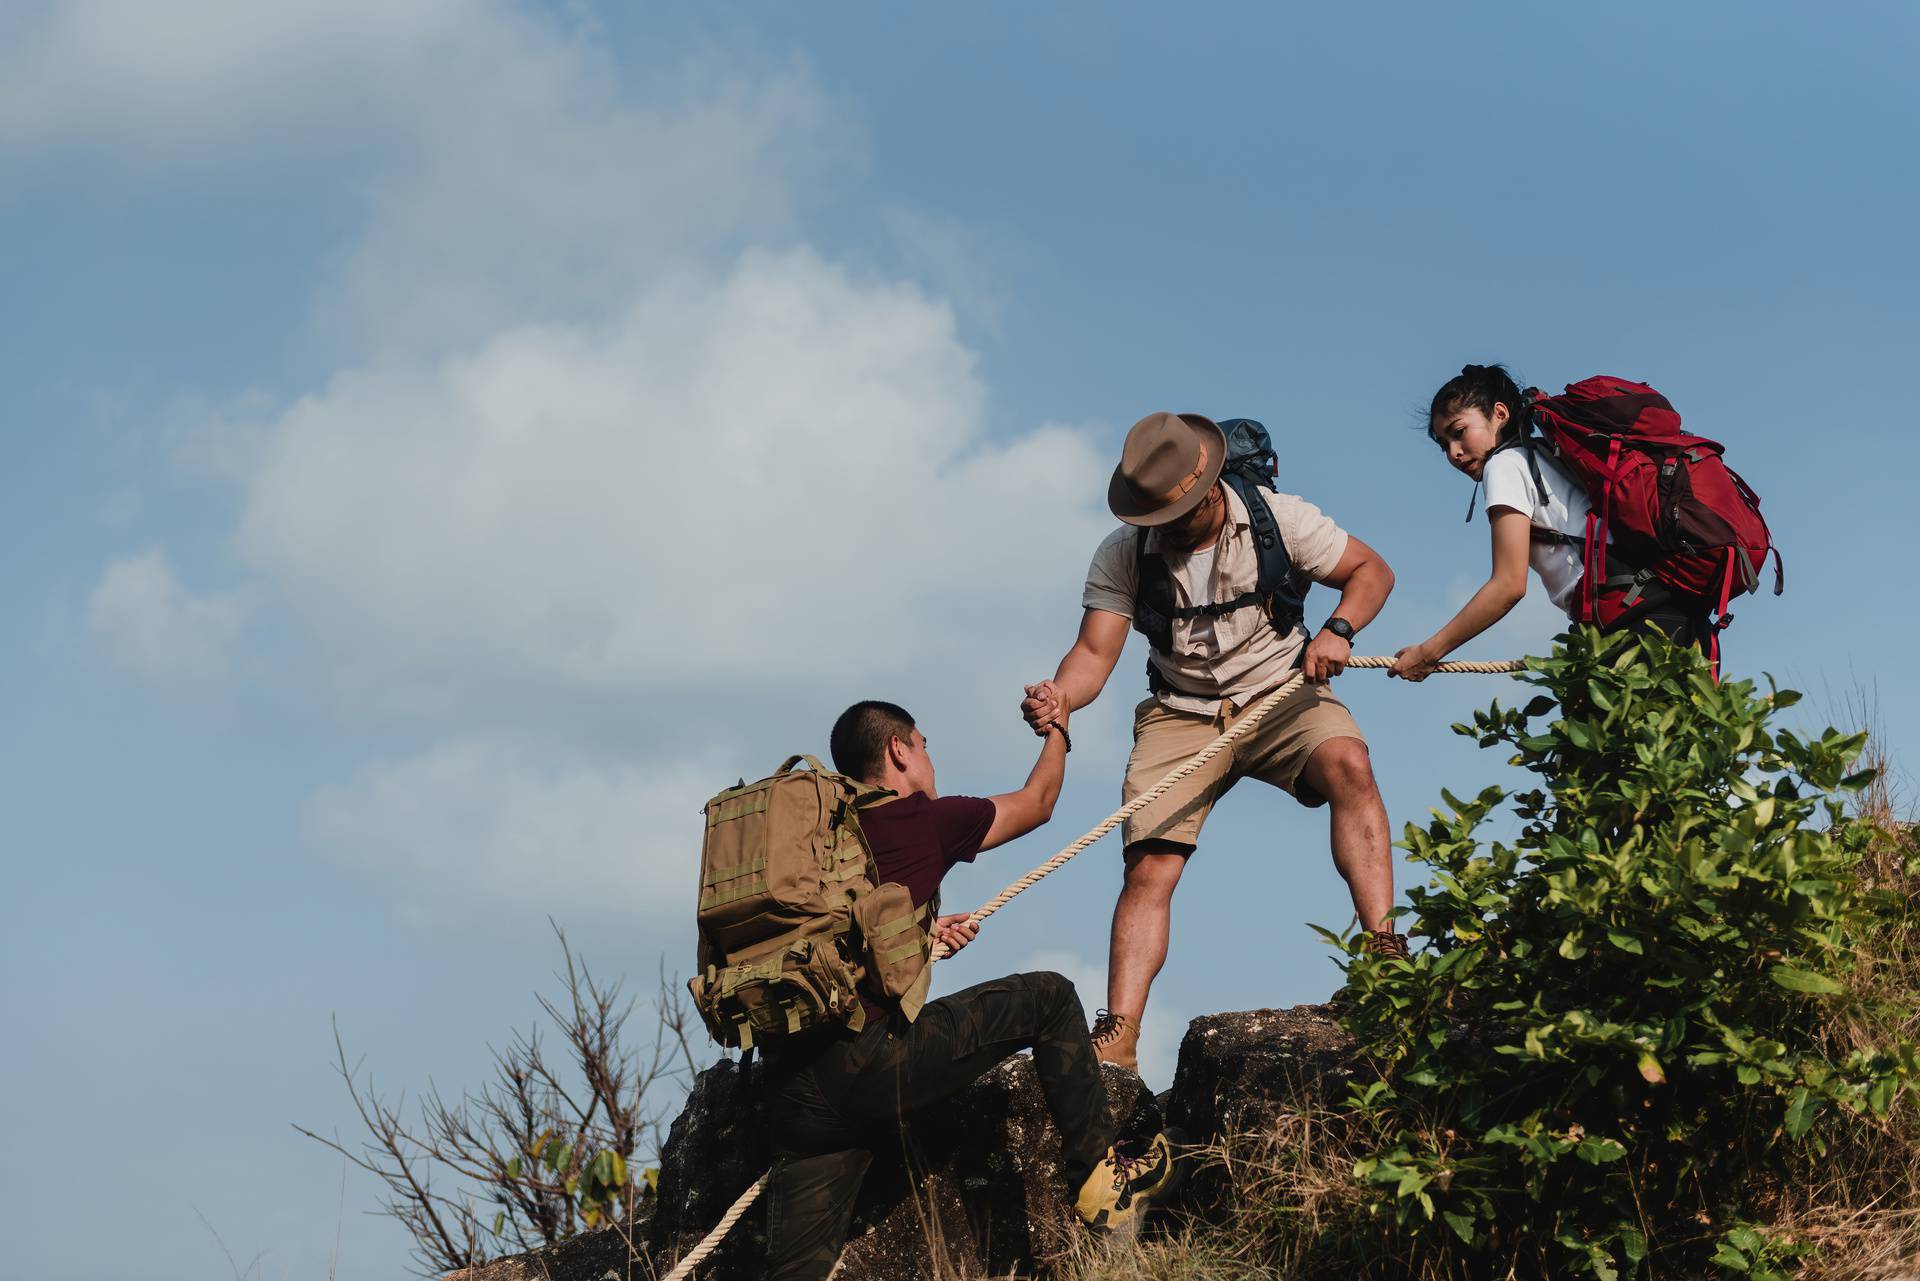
x,y
1563,507
1200,574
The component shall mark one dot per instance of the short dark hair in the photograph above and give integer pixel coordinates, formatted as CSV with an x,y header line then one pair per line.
x,y
861,735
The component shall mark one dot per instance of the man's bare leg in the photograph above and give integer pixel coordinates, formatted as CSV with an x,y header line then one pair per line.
x,y
1341,771
1142,922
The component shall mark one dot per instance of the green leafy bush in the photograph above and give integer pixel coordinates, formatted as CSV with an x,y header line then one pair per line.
x,y
1611,1045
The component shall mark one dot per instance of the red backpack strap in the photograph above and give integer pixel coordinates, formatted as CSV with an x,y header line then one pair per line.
x,y
1596,560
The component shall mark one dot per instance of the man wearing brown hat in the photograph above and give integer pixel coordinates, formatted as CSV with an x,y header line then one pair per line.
x,y
1186,569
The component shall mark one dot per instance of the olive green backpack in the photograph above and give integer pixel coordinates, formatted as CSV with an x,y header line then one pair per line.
x,y
794,921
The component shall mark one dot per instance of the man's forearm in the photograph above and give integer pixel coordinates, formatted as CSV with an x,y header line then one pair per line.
x,y
1081,677
1364,594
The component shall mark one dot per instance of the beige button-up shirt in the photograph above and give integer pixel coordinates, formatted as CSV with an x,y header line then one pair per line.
x,y
1241,655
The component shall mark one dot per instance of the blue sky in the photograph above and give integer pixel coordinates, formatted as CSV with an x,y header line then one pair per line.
x,y
451,438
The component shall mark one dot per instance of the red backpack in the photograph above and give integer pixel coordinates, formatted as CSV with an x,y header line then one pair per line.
x,y
1671,516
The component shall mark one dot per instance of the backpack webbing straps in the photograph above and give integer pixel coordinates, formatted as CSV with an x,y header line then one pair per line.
x,y
755,802
920,917
1275,589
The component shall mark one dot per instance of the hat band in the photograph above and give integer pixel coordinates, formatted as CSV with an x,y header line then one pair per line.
x,y
1192,478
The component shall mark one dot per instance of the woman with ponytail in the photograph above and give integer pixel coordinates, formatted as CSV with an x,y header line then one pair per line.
x,y
1481,420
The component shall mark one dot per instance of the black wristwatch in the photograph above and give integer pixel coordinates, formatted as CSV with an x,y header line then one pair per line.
x,y
1339,627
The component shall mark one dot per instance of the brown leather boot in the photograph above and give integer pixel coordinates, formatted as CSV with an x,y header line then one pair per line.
x,y
1386,944
1116,1039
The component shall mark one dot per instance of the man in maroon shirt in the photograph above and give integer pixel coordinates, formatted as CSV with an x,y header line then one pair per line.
x,y
839,1095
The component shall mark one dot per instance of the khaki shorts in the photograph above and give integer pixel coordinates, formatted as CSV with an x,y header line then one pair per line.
x,y
1274,752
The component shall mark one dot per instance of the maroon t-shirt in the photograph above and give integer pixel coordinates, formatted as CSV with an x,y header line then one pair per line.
x,y
916,841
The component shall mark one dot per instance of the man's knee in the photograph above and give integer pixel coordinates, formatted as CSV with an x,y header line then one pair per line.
x,y
1055,993
1343,771
1154,867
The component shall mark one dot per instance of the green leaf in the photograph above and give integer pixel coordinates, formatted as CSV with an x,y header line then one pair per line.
x,y
499,1222
1801,1111
1625,942
1633,1244
513,1168
1802,980
1595,1150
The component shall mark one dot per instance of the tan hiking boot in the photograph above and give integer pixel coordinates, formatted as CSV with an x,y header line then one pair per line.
x,y
1116,1040
1128,1178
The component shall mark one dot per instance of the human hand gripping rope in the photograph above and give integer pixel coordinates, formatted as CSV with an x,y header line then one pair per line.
x,y
1244,725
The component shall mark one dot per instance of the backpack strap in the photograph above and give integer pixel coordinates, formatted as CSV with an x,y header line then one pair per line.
x,y
1275,583
1526,443
1152,595
1276,590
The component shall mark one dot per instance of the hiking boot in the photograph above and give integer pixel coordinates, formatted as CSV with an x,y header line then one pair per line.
x,y
1127,1179
1386,945
1116,1040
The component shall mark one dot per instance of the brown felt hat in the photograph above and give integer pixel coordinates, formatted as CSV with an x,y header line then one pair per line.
x,y
1167,466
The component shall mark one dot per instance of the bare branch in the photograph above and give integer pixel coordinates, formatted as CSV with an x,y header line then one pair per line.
x,y
495,1142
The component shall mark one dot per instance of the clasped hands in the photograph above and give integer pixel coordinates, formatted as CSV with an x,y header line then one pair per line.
x,y
1044,707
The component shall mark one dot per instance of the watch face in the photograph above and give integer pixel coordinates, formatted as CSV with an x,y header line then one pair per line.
x,y
1340,627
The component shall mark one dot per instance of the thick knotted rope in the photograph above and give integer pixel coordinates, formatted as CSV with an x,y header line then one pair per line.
x,y
1197,761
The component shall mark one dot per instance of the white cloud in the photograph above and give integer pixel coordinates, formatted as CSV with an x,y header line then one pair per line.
x,y
156,84
491,825
604,442
506,167
782,471
153,625
948,255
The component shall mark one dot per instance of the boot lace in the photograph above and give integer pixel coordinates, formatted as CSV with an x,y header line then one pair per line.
x,y
1125,1167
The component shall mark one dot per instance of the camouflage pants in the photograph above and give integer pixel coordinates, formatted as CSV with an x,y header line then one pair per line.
x,y
833,1105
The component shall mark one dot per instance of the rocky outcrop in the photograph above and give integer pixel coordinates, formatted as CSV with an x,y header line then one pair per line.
x,y
1238,1071
975,1183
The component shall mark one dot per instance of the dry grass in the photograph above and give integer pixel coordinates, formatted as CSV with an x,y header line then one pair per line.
x,y
1278,1203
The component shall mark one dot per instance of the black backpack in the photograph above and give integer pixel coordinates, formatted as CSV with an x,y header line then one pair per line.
x,y
1250,466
